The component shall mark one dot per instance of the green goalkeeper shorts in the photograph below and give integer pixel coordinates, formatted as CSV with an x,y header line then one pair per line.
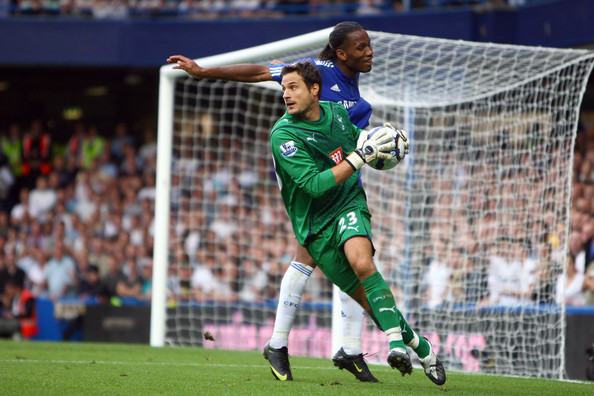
x,y
326,248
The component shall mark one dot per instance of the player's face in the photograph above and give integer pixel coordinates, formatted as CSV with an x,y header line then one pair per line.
x,y
357,54
300,101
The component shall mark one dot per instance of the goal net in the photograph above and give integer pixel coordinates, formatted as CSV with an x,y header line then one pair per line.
x,y
471,230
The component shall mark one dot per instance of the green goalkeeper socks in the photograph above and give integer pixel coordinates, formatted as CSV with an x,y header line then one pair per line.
x,y
382,304
384,308
410,338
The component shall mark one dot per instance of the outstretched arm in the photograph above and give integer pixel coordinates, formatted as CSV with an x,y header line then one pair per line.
x,y
240,72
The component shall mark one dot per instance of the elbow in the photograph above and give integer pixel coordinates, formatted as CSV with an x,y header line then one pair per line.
x,y
314,192
260,77
317,193
316,187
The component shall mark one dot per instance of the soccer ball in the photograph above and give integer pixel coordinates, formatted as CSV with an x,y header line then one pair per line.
x,y
397,152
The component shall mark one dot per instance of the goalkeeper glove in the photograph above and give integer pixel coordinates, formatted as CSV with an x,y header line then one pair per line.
x,y
371,147
399,133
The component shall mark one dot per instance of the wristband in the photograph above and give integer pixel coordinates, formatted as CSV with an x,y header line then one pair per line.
x,y
355,160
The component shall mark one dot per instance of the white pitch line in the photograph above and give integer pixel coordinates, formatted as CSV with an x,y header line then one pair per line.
x,y
189,364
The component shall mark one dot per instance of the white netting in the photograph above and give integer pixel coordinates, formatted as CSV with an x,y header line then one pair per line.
x,y
471,230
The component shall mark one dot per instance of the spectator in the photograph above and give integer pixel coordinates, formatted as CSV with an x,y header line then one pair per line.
x,y
588,285
569,288
577,250
203,278
588,236
4,224
36,153
9,239
497,270
511,277
91,287
224,225
474,281
65,170
146,273
59,273
144,256
42,199
31,261
114,9
11,272
437,278
121,141
106,168
92,146
114,274
147,191
543,290
253,280
12,148
148,149
7,184
136,232
75,144
226,286
19,318
88,208
19,214
369,7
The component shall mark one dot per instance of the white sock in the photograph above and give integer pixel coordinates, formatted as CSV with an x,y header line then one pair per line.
x,y
291,289
352,324
394,334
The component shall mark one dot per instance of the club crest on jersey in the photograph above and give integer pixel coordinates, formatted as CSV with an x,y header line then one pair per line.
x,y
336,155
288,148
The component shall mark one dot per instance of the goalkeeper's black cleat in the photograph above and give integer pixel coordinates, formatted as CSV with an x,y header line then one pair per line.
x,y
279,362
433,368
355,364
399,359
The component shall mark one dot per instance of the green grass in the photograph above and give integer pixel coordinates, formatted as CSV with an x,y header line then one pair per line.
x,y
38,368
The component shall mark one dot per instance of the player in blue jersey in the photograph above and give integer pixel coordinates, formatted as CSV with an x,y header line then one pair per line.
x,y
347,54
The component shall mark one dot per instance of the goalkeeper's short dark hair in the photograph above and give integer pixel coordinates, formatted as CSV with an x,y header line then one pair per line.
x,y
308,71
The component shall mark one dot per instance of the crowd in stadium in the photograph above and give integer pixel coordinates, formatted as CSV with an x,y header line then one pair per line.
x,y
77,221
198,9
76,217
210,9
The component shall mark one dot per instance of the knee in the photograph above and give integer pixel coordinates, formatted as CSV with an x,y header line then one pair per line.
x,y
303,257
363,268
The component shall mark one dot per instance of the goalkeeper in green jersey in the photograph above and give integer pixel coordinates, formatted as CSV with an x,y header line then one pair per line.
x,y
318,154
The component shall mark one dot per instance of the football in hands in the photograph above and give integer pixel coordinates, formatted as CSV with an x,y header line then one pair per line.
x,y
397,153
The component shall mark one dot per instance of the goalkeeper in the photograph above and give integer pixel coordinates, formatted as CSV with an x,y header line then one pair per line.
x,y
347,54
320,187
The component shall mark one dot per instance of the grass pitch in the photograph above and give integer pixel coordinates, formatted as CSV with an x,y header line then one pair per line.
x,y
39,368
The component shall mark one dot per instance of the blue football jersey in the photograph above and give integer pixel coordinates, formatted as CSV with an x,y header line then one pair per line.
x,y
336,87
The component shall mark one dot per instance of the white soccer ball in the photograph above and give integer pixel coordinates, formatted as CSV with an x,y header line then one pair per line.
x,y
397,152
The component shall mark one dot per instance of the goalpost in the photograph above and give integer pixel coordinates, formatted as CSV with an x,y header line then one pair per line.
x,y
471,230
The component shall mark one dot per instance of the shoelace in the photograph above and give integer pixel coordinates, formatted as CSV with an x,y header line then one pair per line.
x,y
360,358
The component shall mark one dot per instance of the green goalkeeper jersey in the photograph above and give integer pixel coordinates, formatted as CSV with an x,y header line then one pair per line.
x,y
303,154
